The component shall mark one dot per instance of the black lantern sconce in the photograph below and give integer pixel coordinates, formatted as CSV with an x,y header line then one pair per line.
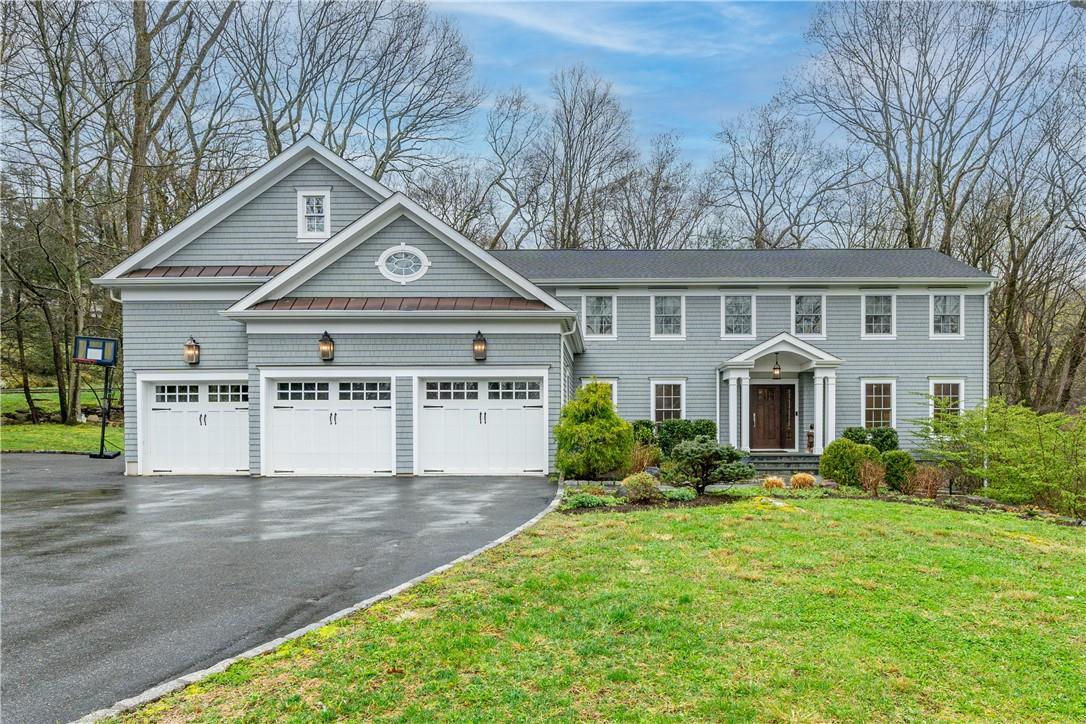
x,y
192,351
478,347
776,367
327,347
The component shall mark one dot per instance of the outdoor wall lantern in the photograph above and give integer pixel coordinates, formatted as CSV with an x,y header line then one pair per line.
x,y
192,351
327,347
776,367
478,347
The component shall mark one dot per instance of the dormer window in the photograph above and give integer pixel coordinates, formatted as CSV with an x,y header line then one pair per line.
x,y
314,214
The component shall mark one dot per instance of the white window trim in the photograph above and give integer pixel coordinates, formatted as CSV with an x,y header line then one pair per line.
x,y
681,381
652,317
932,381
864,382
753,317
792,324
863,315
402,246
614,317
613,381
931,316
310,236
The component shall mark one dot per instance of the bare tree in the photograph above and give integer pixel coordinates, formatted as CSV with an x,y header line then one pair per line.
x,y
782,184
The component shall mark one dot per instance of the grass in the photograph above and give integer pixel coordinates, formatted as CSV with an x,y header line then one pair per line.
x,y
47,401
827,609
78,438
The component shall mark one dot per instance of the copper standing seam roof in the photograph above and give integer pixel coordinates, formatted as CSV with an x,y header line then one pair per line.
x,y
169,272
401,304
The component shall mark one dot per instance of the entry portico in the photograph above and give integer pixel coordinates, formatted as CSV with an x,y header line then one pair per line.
x,y
792,357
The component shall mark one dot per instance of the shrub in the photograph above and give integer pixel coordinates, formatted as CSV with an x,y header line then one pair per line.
x,y
704,462
872,474
772,483
899,465
883,438
643,456
839,460
670,433
641,488
672,474
644,432
587,500
926,480
857,435
1027,457
588,488
592,440
801,481
680,494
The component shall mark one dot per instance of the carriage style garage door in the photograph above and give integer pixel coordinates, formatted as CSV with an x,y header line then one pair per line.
x,y
330,427
196,428
481,427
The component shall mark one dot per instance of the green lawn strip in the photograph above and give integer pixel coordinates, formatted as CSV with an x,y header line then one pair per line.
x,y
832,609
68,438
47,401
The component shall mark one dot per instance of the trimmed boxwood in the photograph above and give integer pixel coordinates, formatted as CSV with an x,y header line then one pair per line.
x,y
841,460
644,432
899,466
670,433
883,438
857,435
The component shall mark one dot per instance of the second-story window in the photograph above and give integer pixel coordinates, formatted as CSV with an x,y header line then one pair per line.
x,y
946,315
738,316
667,316
314,214
808,314
599,316
878,315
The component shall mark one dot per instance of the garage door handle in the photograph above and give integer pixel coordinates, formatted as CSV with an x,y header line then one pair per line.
x,y
484,418
282,407
335,418
433,407
161,409
533,407
329,418
382,407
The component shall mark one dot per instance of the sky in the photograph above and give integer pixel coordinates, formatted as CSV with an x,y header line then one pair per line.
x,y
677,66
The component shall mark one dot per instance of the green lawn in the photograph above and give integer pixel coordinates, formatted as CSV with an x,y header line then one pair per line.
x,y
80,438
830,610
10,401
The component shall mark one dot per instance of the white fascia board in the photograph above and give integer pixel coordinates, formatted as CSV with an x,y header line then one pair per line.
x,y
747,282
363,228
780,343
173,282
395,314
224,292
399,326
238,195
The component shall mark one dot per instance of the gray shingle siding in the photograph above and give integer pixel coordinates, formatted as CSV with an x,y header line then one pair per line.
x,y
451,274
911,359
265,230
409,351
154,333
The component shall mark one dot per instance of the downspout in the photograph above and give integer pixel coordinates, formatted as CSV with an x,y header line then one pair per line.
x,y
562,354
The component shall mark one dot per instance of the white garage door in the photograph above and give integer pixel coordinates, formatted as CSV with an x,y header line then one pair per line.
x,y
197,428
337,427
481,427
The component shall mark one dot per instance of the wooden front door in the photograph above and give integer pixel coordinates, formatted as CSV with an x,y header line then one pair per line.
x,y
772,417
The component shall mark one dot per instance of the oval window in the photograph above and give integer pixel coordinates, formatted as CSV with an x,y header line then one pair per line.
x,y
402,264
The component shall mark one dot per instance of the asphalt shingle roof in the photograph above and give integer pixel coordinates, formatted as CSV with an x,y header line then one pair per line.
x,y
810,265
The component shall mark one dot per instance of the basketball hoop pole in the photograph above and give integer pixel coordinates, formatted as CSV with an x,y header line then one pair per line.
x,y
108,395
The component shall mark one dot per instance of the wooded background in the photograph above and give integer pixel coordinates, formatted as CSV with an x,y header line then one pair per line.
x,y
960,127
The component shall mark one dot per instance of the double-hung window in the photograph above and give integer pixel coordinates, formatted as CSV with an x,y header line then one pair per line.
x,y
878,315
599,316
878,403
314,214
947,315
668,400
668,316
737,315
808,315
946,396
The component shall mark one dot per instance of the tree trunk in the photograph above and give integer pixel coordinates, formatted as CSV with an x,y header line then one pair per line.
x,y
58,360
141,112
20,345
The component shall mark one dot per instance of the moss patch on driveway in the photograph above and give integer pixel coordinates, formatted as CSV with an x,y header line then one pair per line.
x,y
828,610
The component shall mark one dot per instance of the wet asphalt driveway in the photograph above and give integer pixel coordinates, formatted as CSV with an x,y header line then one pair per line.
x,y
111,585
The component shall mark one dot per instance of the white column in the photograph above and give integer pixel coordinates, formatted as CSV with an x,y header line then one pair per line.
x,y
819,411
831,407
733,410
716,400
744,380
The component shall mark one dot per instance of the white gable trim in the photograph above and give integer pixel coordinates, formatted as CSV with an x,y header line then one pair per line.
x,y
362,229
784,342
240,194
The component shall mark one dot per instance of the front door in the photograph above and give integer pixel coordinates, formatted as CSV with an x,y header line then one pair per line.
x,y
772,416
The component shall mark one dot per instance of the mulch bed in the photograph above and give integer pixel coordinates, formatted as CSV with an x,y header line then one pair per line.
x,y
699,502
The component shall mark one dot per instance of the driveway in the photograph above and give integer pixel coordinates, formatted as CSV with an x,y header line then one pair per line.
x,y
111,585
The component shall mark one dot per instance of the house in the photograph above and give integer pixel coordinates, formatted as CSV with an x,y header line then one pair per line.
x,y
310,321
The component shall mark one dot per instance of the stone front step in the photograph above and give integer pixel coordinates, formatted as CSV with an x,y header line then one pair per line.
x,y
785,464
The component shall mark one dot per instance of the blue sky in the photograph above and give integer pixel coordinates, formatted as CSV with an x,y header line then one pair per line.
x,y
676,66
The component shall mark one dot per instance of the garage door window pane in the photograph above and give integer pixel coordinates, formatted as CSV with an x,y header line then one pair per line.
x,y
228,393
365,390
177,393
302,391
452,390
513,390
